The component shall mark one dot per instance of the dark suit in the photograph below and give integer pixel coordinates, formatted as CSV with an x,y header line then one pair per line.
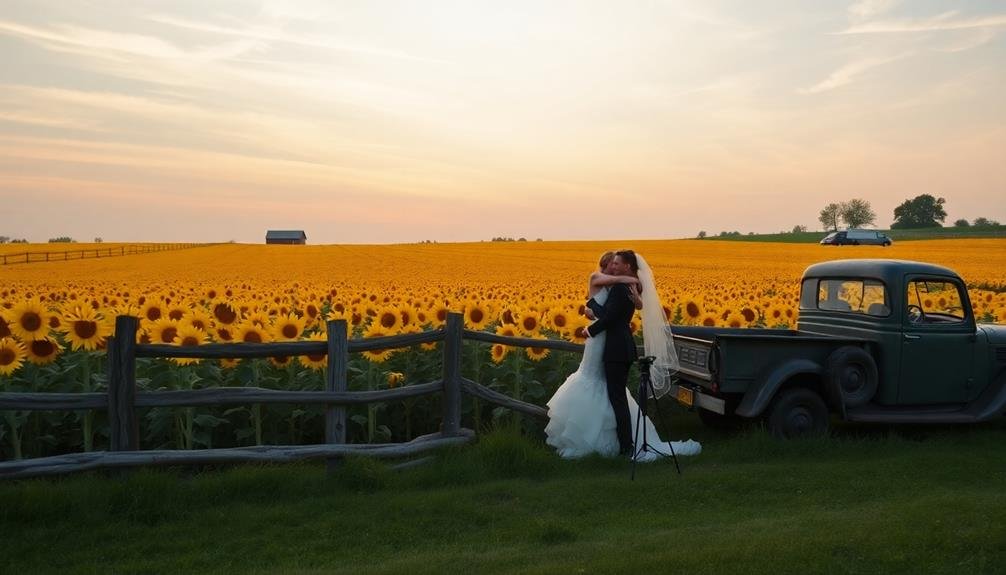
x,y
619,352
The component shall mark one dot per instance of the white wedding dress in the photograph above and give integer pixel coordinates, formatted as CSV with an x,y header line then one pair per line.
x,y
581,419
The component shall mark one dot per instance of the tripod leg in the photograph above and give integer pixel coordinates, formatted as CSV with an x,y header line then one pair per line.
x,y
670,444
635,440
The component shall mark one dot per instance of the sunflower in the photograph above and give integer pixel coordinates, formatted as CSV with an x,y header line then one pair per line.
x,y
29,320
163,331
691,309
377,356
42,351
389,319
259,318
395,378
176,311
749,313
223,333
408,314
249,332
529,324
318,361
198,318
187,336
476,315
708,319
558,319
498,352
11,355
537,353
289,328
282,361
223,313
775,314
229,363
438,315
152,310
735,319
85,329
578,334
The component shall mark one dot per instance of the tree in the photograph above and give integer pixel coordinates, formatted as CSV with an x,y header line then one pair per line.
x,y
62,240
4,239
98,240
985,222
923,211
829,216
961,223
798,229
702,234
857,213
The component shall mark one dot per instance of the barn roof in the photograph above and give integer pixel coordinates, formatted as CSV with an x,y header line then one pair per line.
x,y
285,235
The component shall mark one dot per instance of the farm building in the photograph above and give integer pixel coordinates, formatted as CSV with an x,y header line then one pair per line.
x,y
286,237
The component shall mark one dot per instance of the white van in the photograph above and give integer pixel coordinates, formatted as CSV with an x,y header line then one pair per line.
x,y
856,237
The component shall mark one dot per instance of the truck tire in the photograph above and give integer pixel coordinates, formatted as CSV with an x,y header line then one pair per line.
x,y
852,371
797,412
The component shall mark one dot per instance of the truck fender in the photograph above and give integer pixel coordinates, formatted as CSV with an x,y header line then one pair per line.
x,y
997,406
760,395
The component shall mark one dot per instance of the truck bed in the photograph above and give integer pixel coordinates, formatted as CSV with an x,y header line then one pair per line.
x,y
730,360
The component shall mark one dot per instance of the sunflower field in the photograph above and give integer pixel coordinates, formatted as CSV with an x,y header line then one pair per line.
x,y
55,320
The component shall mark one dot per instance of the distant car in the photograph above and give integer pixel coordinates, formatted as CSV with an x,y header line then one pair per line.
x,y
856,237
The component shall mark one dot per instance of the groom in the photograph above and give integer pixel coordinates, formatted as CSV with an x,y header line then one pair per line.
x,y
619,347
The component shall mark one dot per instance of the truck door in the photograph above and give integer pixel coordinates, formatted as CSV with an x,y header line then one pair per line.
x,y
938,342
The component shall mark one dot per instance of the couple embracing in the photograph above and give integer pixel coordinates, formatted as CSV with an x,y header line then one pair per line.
x,y
591,411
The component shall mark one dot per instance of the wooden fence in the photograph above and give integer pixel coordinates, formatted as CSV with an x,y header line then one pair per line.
x,y
90,253
122,398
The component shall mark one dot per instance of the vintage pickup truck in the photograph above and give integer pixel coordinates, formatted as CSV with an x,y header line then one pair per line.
x,y
883,341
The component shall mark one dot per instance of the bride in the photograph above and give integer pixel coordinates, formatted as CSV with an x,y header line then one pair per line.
x,y
581,419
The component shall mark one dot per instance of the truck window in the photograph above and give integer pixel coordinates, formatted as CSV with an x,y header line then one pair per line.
x,y
939,300
854,296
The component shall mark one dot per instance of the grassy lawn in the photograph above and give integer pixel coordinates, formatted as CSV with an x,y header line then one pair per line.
x,y
896,235
865,500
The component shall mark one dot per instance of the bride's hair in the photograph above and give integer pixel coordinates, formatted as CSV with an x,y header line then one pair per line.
x,y
606,258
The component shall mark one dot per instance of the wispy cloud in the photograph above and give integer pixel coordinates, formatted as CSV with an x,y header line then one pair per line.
x,y
941,22
864,9
849,72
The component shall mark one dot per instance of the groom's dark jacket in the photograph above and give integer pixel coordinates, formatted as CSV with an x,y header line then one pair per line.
x,y
613,318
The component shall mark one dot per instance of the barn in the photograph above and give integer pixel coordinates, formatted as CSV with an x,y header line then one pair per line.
x,y
286,237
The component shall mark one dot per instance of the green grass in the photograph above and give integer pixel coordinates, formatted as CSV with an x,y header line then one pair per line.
x,y
896,235
866,500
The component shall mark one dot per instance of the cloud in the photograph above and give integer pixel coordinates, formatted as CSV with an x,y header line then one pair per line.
x,y
942,22
864,9
849,72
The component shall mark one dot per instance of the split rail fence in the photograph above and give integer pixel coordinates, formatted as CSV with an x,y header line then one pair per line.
x,y
122,399
90,253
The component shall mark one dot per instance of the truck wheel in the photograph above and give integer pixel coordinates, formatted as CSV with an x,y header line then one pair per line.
x,y
797,412
852,371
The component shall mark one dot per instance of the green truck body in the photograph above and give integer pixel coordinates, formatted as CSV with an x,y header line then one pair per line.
x,y
885,341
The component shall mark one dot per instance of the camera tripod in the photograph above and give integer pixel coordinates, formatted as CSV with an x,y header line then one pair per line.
x,y
643,395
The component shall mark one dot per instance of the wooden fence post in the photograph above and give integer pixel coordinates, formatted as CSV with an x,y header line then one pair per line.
x,y
336,379
122,423
452,375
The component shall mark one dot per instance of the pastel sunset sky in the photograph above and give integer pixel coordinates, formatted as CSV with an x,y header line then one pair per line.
x,y
385,122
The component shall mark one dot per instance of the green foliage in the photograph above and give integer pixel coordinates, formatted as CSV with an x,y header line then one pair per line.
x,y
62,240
923,211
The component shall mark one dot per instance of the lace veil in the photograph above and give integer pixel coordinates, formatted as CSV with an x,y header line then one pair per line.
x,y
658,341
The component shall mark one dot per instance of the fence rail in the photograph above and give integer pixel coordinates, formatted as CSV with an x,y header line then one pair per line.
x,y
91,253
123,399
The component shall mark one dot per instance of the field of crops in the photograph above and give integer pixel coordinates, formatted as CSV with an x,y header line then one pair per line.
x,y
57,316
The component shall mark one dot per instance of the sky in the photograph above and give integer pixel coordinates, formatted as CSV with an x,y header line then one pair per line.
x,y
395,122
